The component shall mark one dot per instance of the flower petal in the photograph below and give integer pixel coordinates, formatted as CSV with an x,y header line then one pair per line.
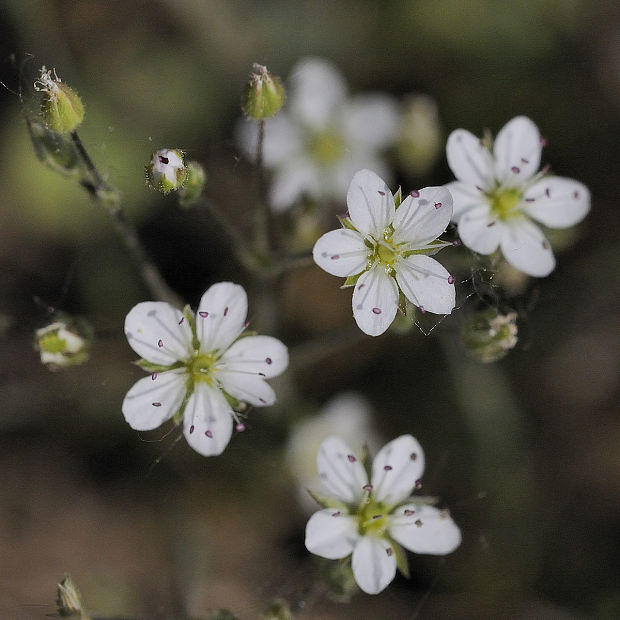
x,y
370,203
525,247
479,230
557,202
331,534
153,400
424,529
421,219
370,121
221,316
340,471
158,332
341,252
263,356
317,88
426,283
469,159
396,469
208,420
373,564
298,177
517,151
464,197
375,301
247,388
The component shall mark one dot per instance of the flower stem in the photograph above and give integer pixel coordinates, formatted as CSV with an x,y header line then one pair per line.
x,y
262,222
109,199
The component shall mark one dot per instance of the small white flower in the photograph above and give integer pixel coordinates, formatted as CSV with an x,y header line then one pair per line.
x,y
316,144
498,193
348,414
201,366
382,249
370,521
166,171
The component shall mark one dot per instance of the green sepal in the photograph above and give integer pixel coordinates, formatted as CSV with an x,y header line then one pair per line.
x,y
327,502
190,317
150,367
366,461
346,223
402,561
438,245
180,412
398,197
352,280
235,403
402,302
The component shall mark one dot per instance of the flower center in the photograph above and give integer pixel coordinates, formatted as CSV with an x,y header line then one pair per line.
x,y
53,343
201,367
372,519
326,147
504,203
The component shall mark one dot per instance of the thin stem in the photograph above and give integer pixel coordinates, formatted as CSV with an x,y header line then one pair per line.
x,y
262,242
109,199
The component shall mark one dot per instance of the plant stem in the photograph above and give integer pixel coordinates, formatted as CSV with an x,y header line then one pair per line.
x,y
109,199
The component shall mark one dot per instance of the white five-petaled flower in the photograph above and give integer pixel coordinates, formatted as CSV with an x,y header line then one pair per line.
x,y
383,250
372,520
201,366
498,193
322,136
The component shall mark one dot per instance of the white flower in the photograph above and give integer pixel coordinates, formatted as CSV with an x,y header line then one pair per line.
x,y
201,366
382,249
372,520
347,414
166,171
498,193
316,144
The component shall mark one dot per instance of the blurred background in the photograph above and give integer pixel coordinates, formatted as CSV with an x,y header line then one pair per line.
x,y
524,451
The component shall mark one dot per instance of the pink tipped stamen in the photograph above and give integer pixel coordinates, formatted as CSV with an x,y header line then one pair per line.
x,y
408,512
351,458
156,404
376,310
418,523
413,456
225,310
381,193
268,360
418,483
209,434
153,376
160,343
367,487
191,429
163,160
387,468
515,169
414,193
451,280
437,205
240,427
203,314
336,514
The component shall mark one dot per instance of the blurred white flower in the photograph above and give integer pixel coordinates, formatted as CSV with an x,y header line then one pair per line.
x,y
372,520
201,366
498,193
315,145
347,414
382,250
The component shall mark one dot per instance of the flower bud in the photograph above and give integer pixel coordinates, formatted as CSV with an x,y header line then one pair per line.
x,y
53,149
263,95
488,335
66,342
195,181
278,610
166,171
62,107
419,135
69,600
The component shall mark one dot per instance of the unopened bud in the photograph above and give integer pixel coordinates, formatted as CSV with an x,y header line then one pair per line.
x,y
278,610
69,600
166,171
195,181
66,342
62,107
488,335
53,149
263,95
420,134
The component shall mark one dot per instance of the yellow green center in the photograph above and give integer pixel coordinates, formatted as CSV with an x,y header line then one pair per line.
x,y
386,255
53,343
504,203
372,519
201,367
327,147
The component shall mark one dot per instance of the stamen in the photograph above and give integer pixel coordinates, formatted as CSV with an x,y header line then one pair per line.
x,y
421,309
545,244
413,456
191,429
575,194
156,404
437,205
387,468
240,427
418,483
335,256
225,310
418,523
408,512
367,487
203,314
209,434
336,514
389,551
262,400
515,169
153,376
530,199
182,319
160,343
381,193
351,458
525,161
414,193
491,224
376,310
547,192
377,516
162,159
451,280
268,360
